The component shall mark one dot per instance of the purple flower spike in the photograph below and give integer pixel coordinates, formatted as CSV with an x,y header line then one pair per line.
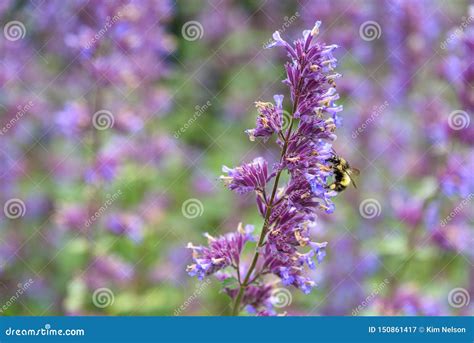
x,y
223,251
248,177
285,248
270,119
277,41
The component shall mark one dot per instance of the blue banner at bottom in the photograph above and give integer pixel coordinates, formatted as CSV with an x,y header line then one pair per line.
x,y
237,329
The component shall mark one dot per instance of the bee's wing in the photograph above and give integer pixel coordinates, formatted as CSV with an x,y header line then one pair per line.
x,y
353,182
354,171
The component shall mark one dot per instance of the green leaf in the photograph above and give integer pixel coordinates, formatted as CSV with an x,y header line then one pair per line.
x,y
231,282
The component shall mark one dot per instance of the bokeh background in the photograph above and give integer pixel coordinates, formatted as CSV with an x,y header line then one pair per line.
x,y
117,116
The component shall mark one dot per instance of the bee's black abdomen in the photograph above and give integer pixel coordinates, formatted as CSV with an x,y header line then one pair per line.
x,y
339,187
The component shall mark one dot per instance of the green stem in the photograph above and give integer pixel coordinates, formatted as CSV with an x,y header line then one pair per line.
x,y
243,285
268,212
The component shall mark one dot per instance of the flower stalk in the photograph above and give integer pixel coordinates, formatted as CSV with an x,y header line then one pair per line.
x,y
284,248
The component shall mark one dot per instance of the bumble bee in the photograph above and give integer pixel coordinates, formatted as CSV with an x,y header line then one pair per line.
x,y
342,173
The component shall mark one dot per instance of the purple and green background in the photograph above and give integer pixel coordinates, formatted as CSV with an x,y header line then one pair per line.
x,y
117,116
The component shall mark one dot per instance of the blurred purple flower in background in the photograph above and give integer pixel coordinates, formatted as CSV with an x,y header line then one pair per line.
x,y
114,114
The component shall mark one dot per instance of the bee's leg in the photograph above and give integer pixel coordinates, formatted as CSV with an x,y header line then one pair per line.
x,y
336,186
340,187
